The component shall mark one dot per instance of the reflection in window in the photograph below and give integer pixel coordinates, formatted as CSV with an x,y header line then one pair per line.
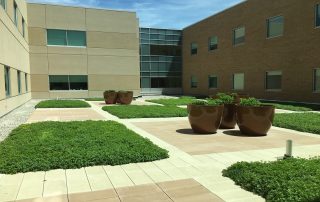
x,y
213,43
66,37
275,26
65,82
194,48
194,82
274,80
239,36
238,81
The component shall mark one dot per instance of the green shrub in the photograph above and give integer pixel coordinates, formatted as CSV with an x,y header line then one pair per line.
x,y
288,180
184,100
252,102
209,102
69,145
94,99
226,98
63,104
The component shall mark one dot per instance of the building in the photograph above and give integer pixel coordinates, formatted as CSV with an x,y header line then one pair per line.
x,y
267,49
161,61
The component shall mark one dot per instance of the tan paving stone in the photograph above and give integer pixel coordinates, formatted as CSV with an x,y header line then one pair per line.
x,y
109,194
136,174
98,178
9,187
118,177
179,134
55,183
77,181
61,198
32,185
155,173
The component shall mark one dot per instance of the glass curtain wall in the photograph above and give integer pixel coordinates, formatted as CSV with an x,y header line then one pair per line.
x,y
161,61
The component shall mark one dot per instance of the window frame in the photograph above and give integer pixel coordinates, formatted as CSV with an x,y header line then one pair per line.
x,y
234,36
7,81
233,83
212,76
266,81
317,10
66,38
314,80
268,23
209,44
26,82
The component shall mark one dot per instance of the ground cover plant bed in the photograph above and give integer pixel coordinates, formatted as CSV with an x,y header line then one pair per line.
x,y
69,145
304,122
134,111
294,106
184,100
94,99
63,104
288,180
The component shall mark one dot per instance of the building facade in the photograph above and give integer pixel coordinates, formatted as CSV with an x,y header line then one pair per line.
x,y
267,49
15,87
81,52
160,61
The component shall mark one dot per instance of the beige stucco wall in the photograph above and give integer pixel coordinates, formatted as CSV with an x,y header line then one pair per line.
x,y
14,53
111,58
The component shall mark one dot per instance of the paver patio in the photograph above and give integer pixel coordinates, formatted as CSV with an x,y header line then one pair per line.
x,y
201,163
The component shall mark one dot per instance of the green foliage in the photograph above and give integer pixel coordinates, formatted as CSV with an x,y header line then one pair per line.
x,y
288,180
226,98
199,102
252,102
294,106
208,102
62,104
304,122
109,91
134,111
68,145
94,99
184,100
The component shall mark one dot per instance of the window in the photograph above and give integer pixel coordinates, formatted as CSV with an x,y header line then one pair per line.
x,y
318,15
65,82
15,13
194,48
23,27
26,81
7,80
213,43
3,3
194,82
275,26
66,38
239,36
316,80
238,81
19,81
274,80
213,81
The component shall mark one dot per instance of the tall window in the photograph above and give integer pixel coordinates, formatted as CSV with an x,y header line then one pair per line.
x,y
318,15
275,26
316,80
3,3
194,48
213,43
26,81
239,35
15,13
66,37
238,81
19,81
66,82
213,81
274,80
7,80
23,27
194,82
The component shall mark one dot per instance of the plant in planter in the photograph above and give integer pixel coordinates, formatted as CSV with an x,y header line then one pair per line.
x,y
125,97
205,116
254,118
229,112
110,97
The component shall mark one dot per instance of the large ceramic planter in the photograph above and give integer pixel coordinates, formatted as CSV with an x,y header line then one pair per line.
x,y
125,97
255,121
240,96
110,97
229,120
205,119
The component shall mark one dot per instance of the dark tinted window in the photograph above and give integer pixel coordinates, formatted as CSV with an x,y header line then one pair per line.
x,y
274,80
318,15
194,48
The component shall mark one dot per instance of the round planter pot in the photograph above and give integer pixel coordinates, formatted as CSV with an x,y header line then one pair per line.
x,y
255,121
239,96
229,120
125,97
205,119
110,97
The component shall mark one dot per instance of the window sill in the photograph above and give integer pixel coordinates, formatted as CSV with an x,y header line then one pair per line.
x,y
236,45
274,37
273,90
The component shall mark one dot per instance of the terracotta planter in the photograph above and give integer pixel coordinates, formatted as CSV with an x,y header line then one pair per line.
x,y
239,96
205,119
110,97
255,121
229,120
125,97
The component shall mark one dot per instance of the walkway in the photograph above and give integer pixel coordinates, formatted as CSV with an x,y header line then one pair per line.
x,y
185,176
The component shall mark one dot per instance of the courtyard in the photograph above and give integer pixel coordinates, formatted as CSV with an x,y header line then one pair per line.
x,y
192,171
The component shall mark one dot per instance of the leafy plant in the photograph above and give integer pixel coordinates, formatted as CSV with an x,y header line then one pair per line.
x,y
209,102
252,102
288,180
69,145
226,98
